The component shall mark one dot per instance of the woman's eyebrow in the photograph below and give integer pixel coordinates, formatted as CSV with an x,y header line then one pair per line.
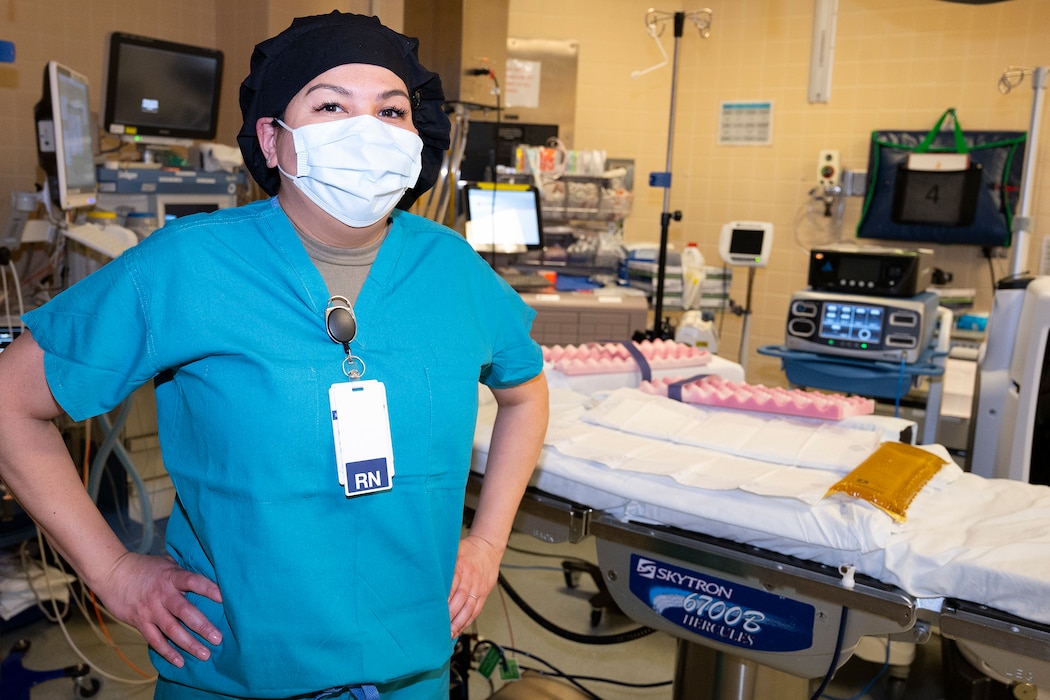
x,y
387,94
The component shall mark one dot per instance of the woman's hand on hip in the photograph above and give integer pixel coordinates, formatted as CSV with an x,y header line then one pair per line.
x,y
149,593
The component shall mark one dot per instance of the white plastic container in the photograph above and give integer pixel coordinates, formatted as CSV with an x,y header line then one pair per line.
x,y
694,330
142,223
692,276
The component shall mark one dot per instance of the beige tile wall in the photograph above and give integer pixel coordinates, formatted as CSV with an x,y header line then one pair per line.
x,y
74,32
898,64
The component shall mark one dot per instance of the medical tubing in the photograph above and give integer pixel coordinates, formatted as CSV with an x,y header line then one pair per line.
x,y
58,617
863,692
7,301
21,302
834,657
6,265
900,390
111,444
556,671
621,638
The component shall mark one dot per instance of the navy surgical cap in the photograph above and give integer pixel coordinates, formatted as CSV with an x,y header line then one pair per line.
x,y
283,65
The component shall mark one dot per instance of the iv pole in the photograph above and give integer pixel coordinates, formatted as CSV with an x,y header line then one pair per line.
x,y
993,368
702,20
1022,223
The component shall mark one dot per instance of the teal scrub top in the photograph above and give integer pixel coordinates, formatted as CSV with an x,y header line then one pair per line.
x,y
225,313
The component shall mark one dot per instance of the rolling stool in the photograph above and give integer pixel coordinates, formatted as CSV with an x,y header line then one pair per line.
x,y
18,679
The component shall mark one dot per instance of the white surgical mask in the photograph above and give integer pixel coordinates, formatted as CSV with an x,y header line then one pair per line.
x,y
357,168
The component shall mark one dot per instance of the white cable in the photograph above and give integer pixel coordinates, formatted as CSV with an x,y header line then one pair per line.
x,y
46,572
18,293
7,299
58,616
829,226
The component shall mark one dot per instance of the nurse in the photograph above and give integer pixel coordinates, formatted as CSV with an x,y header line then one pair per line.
x,y
305,557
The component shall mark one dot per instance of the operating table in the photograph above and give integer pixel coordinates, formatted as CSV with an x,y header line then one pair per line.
x,y
764,570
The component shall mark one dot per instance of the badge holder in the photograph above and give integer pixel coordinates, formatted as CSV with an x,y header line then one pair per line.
x,y
360,418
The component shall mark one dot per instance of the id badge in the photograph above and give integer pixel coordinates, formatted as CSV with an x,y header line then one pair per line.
x,y
364,454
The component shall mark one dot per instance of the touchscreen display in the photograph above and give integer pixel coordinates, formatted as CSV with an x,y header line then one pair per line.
x,y
852,322
7,336
746,241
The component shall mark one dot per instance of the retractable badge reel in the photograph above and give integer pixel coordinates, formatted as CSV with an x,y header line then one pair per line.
x,y
341,324
364,453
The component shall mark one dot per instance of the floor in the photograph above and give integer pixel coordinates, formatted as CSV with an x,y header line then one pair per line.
x,y
641,669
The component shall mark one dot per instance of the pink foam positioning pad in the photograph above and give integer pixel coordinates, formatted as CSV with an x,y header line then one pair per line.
x,y
601,358
713,390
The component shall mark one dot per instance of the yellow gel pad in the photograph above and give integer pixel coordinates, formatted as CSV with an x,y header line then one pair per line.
x,y
890,477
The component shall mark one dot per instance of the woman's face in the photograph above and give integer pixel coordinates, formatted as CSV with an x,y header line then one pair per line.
x,y
344,91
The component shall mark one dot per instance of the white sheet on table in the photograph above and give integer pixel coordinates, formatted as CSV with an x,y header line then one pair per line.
x,y
977,539
986,540
676,484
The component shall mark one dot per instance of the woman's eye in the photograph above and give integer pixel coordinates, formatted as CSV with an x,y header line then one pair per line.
x,y
331,107
393,113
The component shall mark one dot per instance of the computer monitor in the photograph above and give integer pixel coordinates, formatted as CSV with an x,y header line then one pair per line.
x,y
490,144
161,92
503,218
64,141
174,206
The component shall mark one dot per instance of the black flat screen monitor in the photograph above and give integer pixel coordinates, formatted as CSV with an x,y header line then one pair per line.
x,y
64,138
161,91
503,218
490,144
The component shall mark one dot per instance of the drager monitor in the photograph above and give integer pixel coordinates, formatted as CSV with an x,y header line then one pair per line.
x,y
161,91
503,218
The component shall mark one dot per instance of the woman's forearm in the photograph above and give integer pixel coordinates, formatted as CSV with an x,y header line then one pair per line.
x,y
517,438
37,468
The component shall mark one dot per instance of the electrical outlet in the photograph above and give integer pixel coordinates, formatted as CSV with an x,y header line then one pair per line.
x,y
829,174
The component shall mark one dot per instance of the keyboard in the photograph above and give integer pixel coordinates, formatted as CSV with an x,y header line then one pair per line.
x,y
525,281
111,241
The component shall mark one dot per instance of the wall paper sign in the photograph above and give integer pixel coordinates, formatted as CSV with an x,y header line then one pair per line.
x,y
721,610
746,124
523,83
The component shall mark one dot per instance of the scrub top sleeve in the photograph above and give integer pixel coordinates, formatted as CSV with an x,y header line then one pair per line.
x,y
95,339
517,357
